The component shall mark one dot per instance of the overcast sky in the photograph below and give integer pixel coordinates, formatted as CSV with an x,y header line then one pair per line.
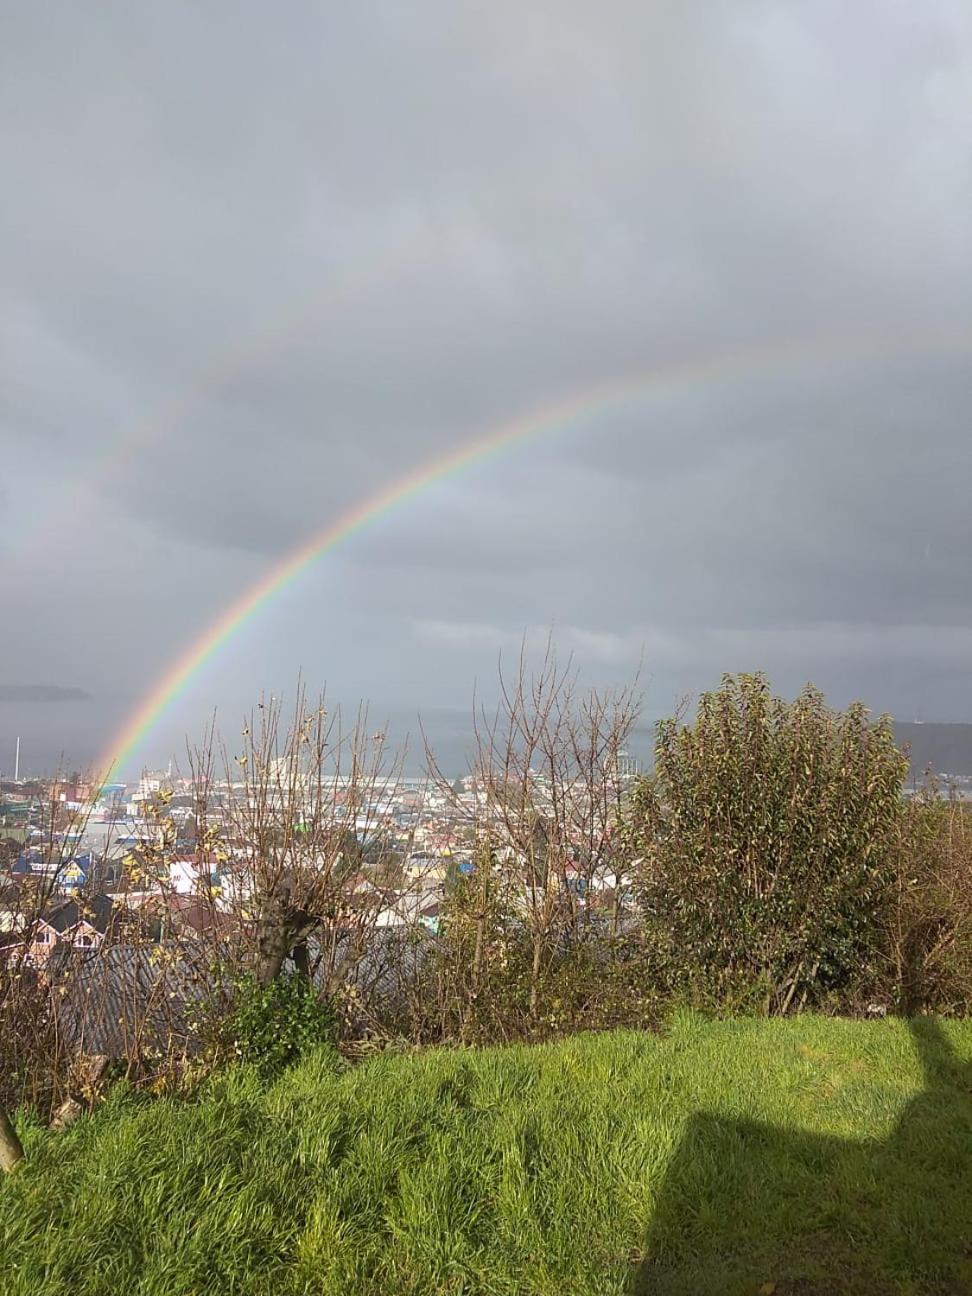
x,y
257,262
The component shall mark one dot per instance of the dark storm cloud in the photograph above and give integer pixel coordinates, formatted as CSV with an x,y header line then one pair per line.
x,y
258,265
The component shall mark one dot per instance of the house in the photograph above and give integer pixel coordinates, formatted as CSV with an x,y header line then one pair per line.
x,y
11,910
74,874
194,915
430,916
79,924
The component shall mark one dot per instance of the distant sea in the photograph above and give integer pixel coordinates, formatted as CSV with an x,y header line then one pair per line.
x,y
54,734
945,747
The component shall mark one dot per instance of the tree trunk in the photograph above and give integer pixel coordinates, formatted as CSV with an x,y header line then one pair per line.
x,y
273,940
301,956
481,918
11,1149
535,978
282,932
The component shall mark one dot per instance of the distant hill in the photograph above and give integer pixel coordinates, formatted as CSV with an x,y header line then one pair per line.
x,y
946,747
42,693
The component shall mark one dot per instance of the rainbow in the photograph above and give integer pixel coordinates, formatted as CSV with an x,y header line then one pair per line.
x,y
559,415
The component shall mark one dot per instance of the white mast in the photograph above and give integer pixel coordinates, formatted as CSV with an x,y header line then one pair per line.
x,y
17,762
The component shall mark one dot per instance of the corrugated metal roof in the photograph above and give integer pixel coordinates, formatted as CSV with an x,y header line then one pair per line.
x,y
126,998
122,999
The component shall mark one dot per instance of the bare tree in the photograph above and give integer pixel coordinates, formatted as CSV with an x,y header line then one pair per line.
x,y
31,1051
547,785
302,828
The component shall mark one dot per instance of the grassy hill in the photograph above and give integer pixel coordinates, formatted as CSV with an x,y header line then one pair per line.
x,y
798,1156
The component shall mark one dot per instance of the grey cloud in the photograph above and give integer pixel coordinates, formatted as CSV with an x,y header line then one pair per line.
x,y
258,267
874,645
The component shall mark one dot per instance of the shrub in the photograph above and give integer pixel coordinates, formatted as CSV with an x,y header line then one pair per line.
x,y
272,1026
764,844
930,926
478,983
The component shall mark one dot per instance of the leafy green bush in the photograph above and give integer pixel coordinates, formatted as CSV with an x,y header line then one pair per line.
x,y
765,845
272,1026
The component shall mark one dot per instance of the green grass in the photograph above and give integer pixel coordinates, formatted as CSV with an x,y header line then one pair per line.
x,y
819,1155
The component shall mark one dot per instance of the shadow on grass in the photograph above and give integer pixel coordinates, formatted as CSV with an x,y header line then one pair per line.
x,y
748,1208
